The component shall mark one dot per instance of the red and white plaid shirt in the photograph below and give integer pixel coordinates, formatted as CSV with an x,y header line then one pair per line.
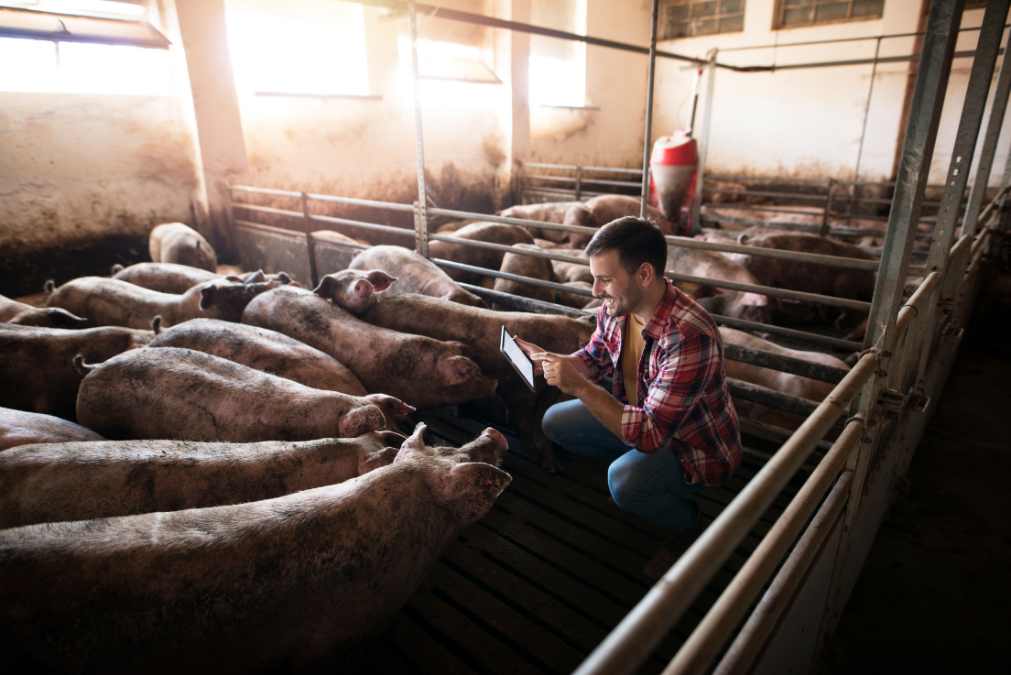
x,y
682,387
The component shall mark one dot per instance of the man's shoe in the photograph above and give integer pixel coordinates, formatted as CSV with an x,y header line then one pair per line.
x,y
676,543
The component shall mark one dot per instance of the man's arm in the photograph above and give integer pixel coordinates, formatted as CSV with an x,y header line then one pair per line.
x,y
530,349
563,372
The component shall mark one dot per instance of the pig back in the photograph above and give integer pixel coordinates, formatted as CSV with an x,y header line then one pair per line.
x,y
414,273
165,277
494,233
183,394
18,427
418,370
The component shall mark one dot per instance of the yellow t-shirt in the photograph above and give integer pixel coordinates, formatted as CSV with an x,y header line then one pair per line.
x,y
631,351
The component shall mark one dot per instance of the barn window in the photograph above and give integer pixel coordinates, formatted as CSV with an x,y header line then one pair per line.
x,y
307,48
796,13
558,67
687,18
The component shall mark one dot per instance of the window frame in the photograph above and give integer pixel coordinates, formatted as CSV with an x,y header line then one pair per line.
x,y
780,10
718,16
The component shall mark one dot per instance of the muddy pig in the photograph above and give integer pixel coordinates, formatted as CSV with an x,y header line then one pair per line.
x,y
414,273
298,582
527,266
493,233
177,279
562,213
605,208
479,329
18,427
418,370
37,364
712,265
353,290
63,481
188,395
265,350
22,314
570,271
177,243
110,302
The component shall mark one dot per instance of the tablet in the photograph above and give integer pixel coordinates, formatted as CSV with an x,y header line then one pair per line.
x,y
518,358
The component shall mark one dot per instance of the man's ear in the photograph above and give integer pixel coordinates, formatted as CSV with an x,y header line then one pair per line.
x,y
645,274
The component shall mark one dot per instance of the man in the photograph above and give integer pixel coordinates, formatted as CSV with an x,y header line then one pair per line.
x,y
670,428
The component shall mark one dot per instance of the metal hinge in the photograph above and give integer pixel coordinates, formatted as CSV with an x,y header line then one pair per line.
x,y
914,401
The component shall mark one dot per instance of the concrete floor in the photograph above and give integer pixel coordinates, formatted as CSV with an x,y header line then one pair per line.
x,y
935,593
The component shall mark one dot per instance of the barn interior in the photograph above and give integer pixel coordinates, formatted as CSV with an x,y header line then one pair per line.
x,y
296,135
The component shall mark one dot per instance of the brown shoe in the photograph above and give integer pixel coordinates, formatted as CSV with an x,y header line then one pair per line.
x,y
676,544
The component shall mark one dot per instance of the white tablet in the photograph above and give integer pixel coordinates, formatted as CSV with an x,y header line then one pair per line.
x,y
517,357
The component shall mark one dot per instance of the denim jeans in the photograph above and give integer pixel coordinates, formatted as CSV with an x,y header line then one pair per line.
x,y
648,485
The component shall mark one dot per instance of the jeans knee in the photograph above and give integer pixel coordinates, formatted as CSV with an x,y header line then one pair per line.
x,y
554,422
621,485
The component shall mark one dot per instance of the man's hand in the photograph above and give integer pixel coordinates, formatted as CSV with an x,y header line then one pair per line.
x,y
559,372
530,349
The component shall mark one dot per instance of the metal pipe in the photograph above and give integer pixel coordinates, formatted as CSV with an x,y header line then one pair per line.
x,y
850,39
707,118
631,642
763,620
749,391
487,245
785,364
269,229
267,209
264,191
867,111
813,338
649,112
608,169
911,309
525,304
340,242
595,181
771,291
709,636
352,201
368,226
512,277
420,217
308,241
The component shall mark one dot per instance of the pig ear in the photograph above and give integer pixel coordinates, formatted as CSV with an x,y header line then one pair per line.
x,y
464,349
414,443
326,288
234,279
257,277
207,294
394,405
284,278
468,490
707,292
380,280
375,460
457,369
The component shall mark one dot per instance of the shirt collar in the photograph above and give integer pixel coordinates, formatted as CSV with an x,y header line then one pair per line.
x,y
654,328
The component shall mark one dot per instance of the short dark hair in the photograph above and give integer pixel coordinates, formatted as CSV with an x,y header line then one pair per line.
x,y
637,241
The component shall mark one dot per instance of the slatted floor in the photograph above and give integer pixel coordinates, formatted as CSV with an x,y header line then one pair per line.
x,y
543,578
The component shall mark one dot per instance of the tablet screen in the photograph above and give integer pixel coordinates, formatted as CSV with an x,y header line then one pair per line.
x,y
519,360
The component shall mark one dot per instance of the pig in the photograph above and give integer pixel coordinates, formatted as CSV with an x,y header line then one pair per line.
x,y
18,427
417,370
506,235
177,243
605,208
415,274
527,266
576,300
65,480
111,302
547,244
712,265
22,314
353,290
174,393
297,582
177,279
562,213
264,350
787,383
37,364
568,271
338,237
479,329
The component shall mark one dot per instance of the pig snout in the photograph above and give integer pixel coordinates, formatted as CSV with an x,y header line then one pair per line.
x,y
360,421
496,437
487,448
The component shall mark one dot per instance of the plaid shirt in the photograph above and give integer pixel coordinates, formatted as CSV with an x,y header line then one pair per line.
x,y
682,387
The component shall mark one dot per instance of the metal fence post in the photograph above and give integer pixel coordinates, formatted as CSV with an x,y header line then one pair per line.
x,y
911,181
649,112
695,227
310,244
579,181
828,207
420,206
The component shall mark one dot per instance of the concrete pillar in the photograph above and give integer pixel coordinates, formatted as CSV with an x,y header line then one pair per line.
x,y
222,147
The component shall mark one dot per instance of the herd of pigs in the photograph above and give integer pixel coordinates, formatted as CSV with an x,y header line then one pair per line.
x,y
211,472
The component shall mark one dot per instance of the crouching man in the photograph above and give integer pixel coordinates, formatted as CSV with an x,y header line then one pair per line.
x,y
670,428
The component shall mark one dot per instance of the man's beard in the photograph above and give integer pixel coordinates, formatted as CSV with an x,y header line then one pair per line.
x,y
625,304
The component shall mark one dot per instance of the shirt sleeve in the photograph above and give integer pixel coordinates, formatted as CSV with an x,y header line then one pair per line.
x,y
684,372
596,355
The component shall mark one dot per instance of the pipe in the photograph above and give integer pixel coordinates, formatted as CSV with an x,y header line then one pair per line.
x,y
763,620
719,622
785,364
707,117
650,75
773,292
772,398
632,640
420,217
512,277
814,338
867,111
526,304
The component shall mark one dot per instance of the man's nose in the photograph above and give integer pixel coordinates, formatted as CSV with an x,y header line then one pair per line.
x,y
598,288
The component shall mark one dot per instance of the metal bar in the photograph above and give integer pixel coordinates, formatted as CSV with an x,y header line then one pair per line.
x,y
850,39
487,245
631,642
771,291
264,191
585,168
512,277
420,217
786,364
267,209
772,398
828,207
308,240
579,182
368,226
595,181
867,111
763,620
707,117
339,242
392,206
709,636
649,112
525,304
269,229
814,338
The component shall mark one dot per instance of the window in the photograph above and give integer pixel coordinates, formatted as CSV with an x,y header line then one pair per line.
x,y
307,48
558,67
794,13
688,18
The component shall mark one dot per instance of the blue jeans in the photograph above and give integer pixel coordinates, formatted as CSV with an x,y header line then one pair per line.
x,y
648,485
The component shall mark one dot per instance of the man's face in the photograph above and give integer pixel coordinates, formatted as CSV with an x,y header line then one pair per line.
x,y
619,289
